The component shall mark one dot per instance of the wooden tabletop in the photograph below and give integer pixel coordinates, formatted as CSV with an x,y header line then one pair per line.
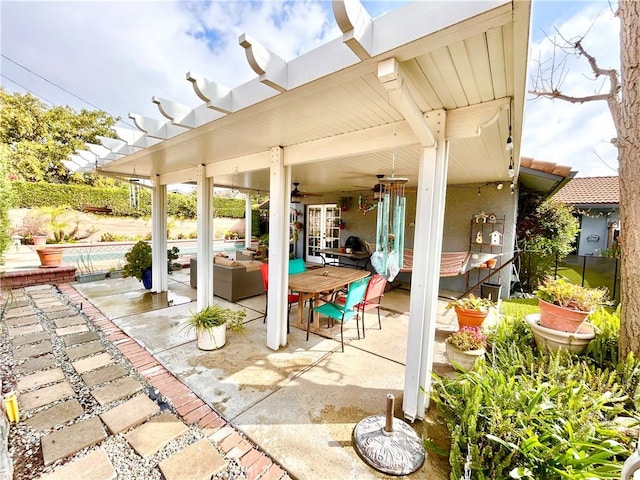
x,y
324,279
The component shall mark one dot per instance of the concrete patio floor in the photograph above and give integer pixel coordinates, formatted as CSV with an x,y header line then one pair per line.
x,y
300,403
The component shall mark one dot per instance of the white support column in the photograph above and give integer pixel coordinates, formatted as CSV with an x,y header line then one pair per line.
x,y
160,274
248,220
205,239
425,279
279,199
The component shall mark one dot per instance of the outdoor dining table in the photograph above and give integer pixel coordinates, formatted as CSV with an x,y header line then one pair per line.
x,y
312,283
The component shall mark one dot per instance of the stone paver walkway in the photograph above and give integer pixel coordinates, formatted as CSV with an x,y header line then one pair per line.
x,y
58,337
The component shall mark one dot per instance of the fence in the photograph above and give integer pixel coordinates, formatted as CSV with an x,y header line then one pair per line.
x,y
585,270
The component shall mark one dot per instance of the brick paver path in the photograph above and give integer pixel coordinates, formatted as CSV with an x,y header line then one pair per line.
x,y
73,415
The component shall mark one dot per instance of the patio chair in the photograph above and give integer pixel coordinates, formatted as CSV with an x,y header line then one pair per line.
x,y
371,300
297,265
291,297
343,312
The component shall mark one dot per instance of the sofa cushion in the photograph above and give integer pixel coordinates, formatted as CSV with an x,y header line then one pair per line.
x,y
226,262
249,265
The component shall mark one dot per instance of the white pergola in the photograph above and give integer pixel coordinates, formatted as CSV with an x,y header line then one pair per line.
x,y
442,83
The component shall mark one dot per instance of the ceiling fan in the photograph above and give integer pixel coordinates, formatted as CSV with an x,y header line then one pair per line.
x,y
383,180
297,195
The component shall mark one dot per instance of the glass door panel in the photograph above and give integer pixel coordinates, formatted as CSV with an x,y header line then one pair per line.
x,y
323,230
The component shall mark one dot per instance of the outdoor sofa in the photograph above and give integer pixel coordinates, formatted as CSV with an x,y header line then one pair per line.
x,y
232,280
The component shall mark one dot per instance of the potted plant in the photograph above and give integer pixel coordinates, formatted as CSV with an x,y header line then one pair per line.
x,y
465,347
343,203
49,256
138,262
471,311
565,306
210,325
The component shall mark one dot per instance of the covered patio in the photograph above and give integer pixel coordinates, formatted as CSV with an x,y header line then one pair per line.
x,y
437,87
300,403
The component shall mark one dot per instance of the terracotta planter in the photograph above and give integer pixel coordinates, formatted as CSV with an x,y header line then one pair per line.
x,y
470,318
553,340
463,361
50,256
39,240
561,318
212,338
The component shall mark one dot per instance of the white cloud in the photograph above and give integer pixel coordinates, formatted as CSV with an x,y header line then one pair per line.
x,y
576,134
117,55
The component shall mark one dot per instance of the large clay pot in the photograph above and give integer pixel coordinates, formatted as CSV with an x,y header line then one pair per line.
x,y
561,318
50,256
470,318
212,338
464,361
553,340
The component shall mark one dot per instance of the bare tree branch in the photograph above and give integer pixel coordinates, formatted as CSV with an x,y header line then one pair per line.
x,y
567,98
551,74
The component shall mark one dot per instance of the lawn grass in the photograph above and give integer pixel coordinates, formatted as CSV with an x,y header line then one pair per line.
x,y
519,307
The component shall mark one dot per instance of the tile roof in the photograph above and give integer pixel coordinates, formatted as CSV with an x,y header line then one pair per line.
x,y
590,191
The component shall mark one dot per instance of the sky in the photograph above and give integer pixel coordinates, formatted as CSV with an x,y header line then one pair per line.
x,y
117,55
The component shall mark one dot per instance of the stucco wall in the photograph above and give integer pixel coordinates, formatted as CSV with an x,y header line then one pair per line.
x,y
462,203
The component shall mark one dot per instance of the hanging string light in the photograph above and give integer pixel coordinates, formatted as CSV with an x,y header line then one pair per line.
x,y
509,144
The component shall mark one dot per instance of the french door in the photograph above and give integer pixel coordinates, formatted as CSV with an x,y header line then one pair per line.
x,y
323,230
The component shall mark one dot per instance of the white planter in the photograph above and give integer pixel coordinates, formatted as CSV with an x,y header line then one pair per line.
x,y
463,361
553,340
212,338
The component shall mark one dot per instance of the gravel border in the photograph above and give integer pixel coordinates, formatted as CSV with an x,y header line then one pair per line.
x,y
24,442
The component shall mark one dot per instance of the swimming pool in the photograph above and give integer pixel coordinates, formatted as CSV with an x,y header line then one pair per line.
x,y
107,255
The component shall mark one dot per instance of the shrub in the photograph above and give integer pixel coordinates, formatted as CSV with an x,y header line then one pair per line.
x,y
531,414
6,200
181,205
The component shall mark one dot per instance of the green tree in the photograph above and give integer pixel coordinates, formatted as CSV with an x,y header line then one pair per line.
x,y
546,230
39,137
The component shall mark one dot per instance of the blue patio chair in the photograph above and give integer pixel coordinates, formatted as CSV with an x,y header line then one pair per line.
x,y
343,312
297,265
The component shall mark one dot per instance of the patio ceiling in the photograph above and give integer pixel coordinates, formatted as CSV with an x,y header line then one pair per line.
x,y
330,112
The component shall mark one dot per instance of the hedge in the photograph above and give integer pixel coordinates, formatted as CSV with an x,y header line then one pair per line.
x,y
181,205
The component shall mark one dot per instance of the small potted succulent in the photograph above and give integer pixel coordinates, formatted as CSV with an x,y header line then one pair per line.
x,y
471,310
210,325
465,347
565,306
